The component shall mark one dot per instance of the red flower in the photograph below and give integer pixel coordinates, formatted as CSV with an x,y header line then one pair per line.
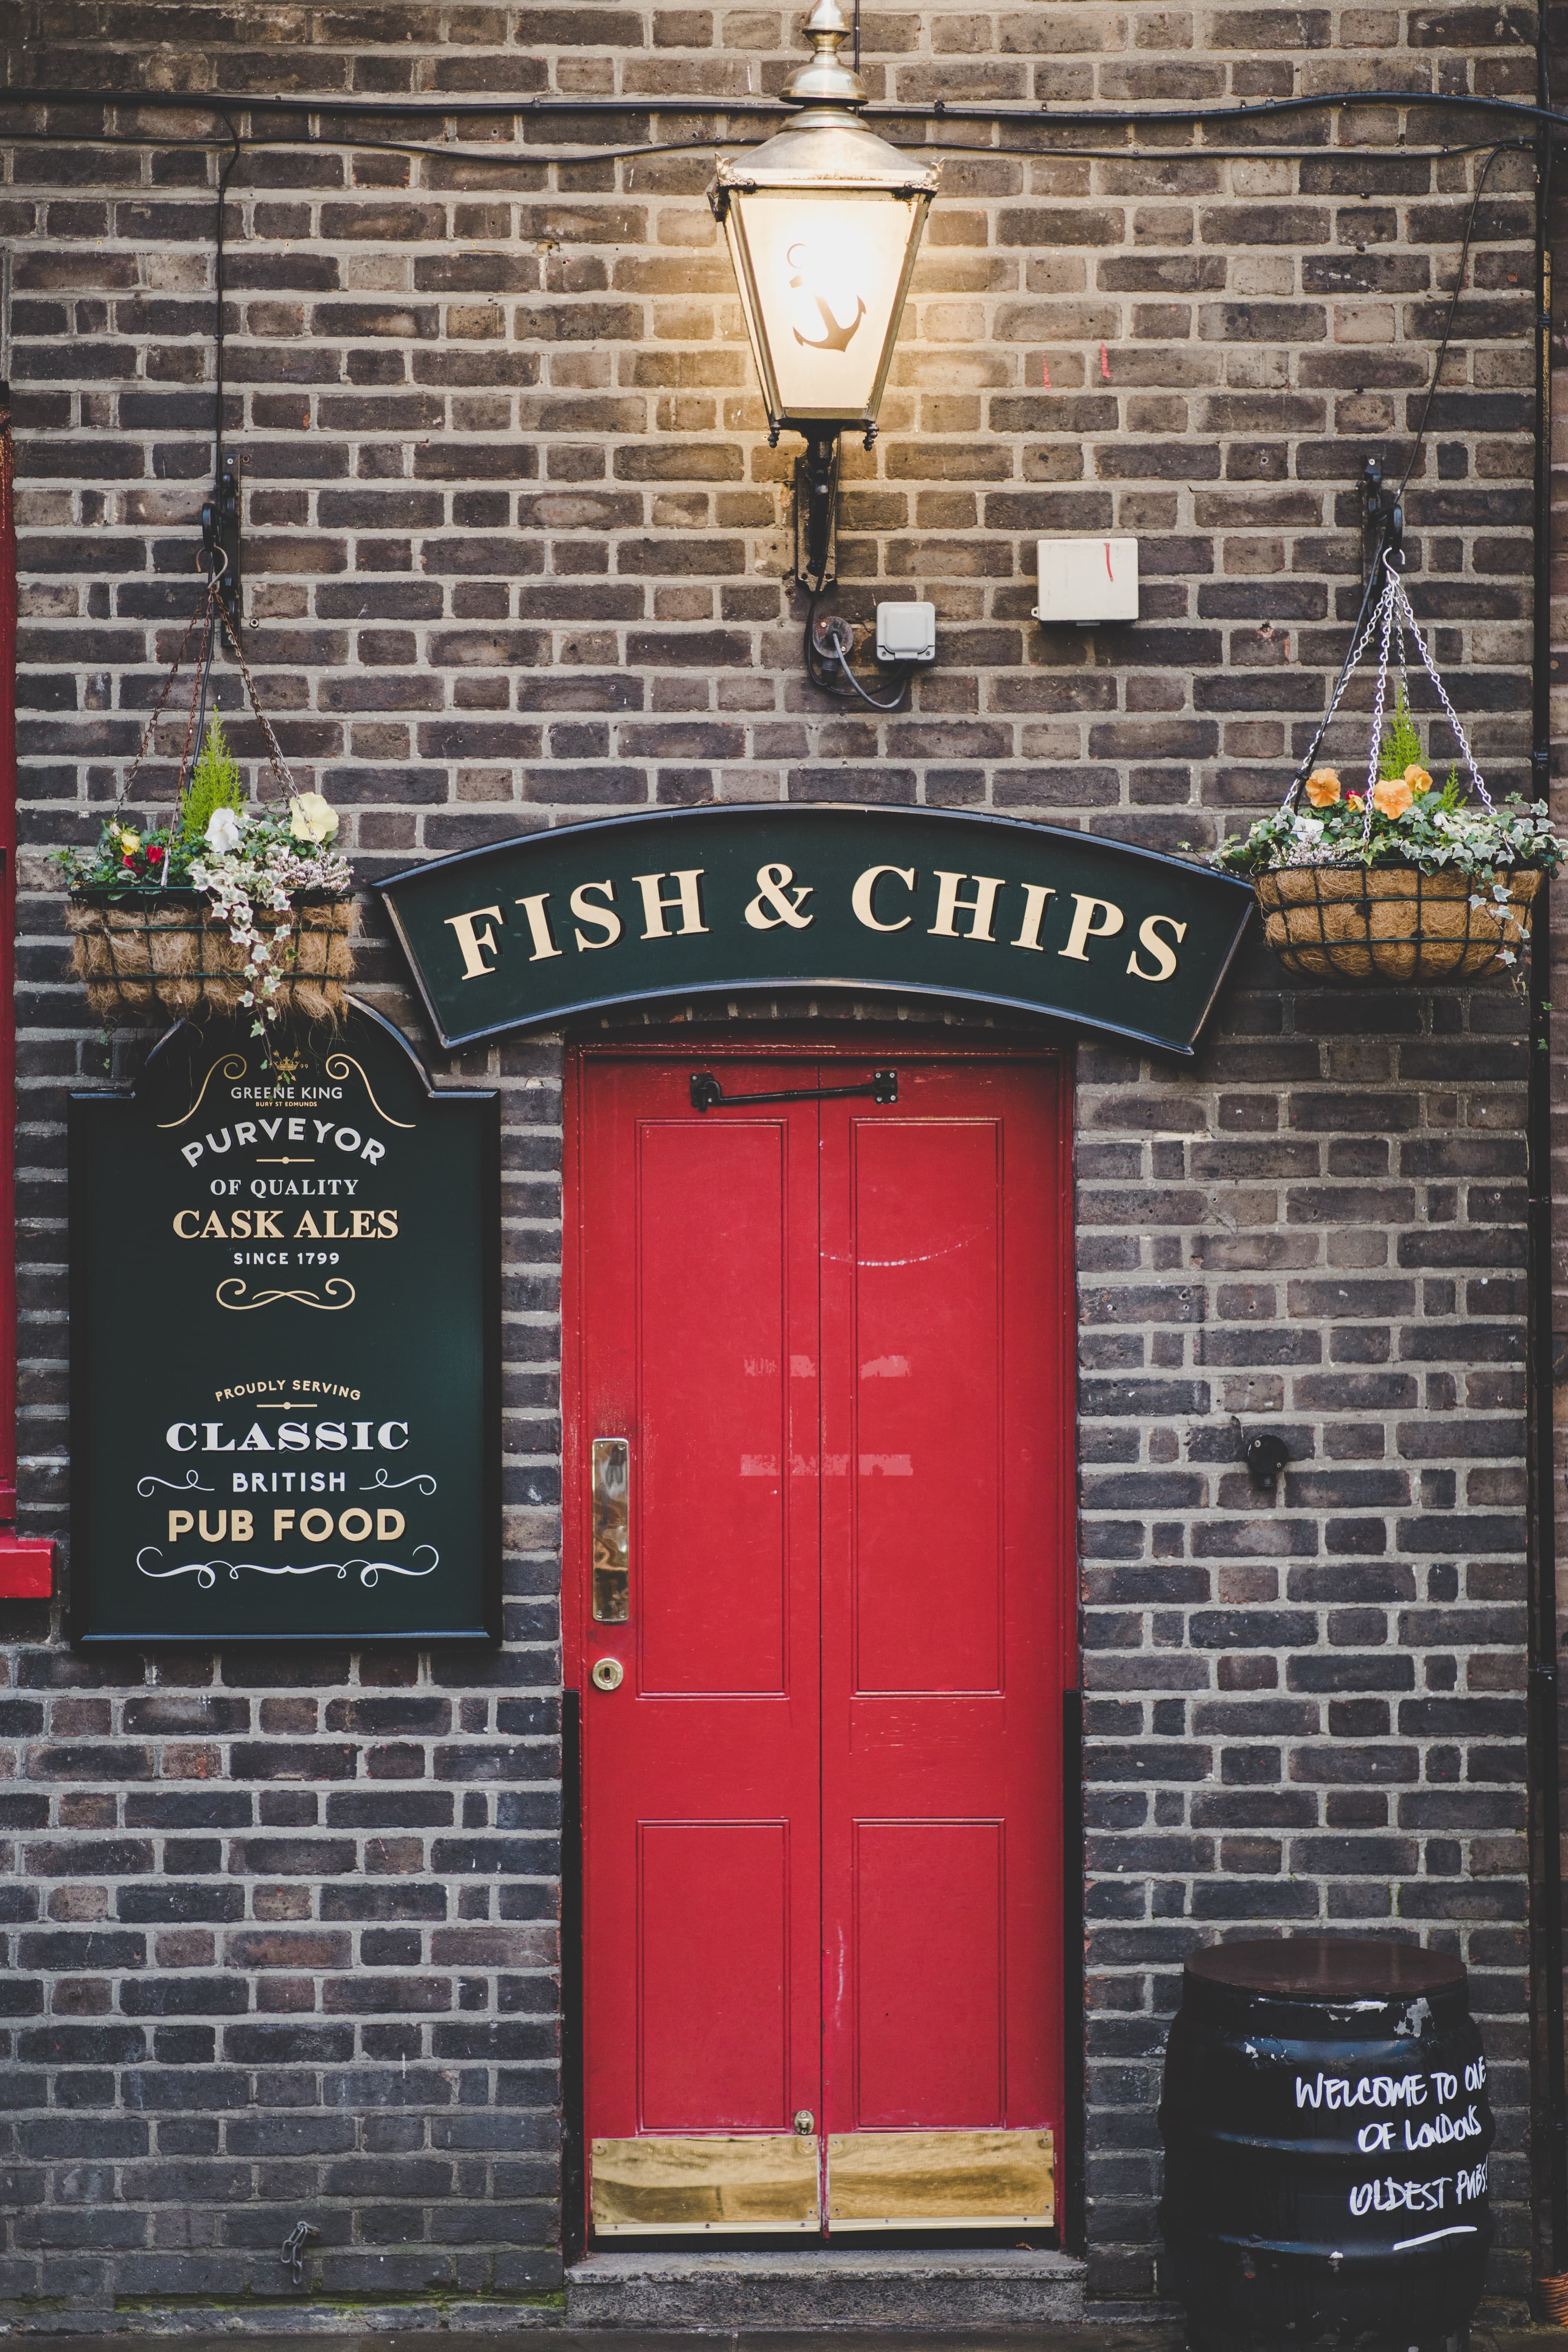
x,y
154,854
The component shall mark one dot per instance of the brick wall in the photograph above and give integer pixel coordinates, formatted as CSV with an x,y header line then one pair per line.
x,y
517,552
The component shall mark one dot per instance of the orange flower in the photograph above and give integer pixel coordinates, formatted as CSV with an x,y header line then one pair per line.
x,y
1418,780
1323,787
1393,796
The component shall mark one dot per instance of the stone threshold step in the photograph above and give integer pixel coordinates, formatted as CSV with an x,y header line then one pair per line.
x,y
827,2286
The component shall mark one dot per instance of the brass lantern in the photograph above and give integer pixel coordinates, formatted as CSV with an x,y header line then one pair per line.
x,y
823,222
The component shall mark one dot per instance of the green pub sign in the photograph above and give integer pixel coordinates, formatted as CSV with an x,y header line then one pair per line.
x,y
572,918
285,1345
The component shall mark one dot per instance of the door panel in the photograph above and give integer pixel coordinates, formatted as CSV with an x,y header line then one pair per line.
x,y
925,1304
713,1385
930,2008
821,1812
696,1288
719,1887
942,1612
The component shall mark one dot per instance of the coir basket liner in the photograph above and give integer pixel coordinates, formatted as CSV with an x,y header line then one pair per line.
x,y
1389,922
161,949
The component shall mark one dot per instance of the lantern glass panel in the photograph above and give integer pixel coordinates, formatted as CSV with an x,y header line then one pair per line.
x,y
822,277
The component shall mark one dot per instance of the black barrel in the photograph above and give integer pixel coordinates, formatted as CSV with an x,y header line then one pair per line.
x,y
1326,2128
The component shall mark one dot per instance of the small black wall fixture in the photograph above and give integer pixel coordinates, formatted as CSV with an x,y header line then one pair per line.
x,y
1265,1457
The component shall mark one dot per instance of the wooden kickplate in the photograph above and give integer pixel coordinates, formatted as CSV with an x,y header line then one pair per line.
x,y
948,2180
758,2182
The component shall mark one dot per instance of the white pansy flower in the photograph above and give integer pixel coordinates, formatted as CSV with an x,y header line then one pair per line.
x,y
1309,828
312,818
225,831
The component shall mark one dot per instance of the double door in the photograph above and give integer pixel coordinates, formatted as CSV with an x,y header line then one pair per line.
x,y
818,1605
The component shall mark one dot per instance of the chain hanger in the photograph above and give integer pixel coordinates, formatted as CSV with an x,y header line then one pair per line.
x,y
1390,619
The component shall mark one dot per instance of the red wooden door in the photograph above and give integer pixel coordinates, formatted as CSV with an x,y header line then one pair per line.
x,y
822,1802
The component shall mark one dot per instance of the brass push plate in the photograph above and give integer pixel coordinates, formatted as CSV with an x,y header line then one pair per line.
x,y
715,2185
612,1530
941,2179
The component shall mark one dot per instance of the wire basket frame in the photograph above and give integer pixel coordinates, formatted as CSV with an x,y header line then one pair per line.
x,y
1390,922
161,951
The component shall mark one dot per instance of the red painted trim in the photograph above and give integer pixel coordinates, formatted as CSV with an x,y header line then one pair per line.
x,y
26,1566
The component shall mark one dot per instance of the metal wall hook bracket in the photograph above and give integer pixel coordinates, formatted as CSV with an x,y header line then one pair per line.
x,y
1384,526
707,1094
220,535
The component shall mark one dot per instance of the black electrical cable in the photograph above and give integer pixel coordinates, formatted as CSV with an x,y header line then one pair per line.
x,y
535,160
1448,323
936,111
1545,1678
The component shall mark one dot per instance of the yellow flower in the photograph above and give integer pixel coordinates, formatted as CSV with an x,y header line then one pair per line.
x,y
1418,780
1393,796
128,840
312,818
1323,787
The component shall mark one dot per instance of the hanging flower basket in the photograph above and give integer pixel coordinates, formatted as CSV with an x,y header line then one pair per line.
x,y
226,909
1390,922
1404,880
142,951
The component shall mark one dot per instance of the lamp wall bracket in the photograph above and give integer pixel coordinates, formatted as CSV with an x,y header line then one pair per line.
x,y
220,534
817,510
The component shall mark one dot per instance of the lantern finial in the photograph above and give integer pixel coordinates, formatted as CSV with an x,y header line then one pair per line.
x,y
826,80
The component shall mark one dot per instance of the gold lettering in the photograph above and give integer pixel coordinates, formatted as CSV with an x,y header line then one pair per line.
x,y
386,1224
179,1216
1034,896
307,1229
980,908
266,1227
778,900
602,919
363,1224
1085,927
539,925
476,945
180,1524
862,898
656,906
213,1230
1163,955
389,1525
239,1526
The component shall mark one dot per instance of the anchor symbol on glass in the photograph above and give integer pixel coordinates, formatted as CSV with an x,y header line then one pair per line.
x,y
823,295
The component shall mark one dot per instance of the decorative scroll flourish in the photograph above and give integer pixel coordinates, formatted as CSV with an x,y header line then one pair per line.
x,y
202,1569
382,1484
371,1572
240,1304
191,1484
233,1065
338,1065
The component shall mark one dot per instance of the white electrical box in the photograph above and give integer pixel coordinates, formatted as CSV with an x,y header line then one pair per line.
x,y
1087,580
905,633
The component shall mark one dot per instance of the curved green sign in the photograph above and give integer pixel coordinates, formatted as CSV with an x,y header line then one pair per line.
x,y
522,933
